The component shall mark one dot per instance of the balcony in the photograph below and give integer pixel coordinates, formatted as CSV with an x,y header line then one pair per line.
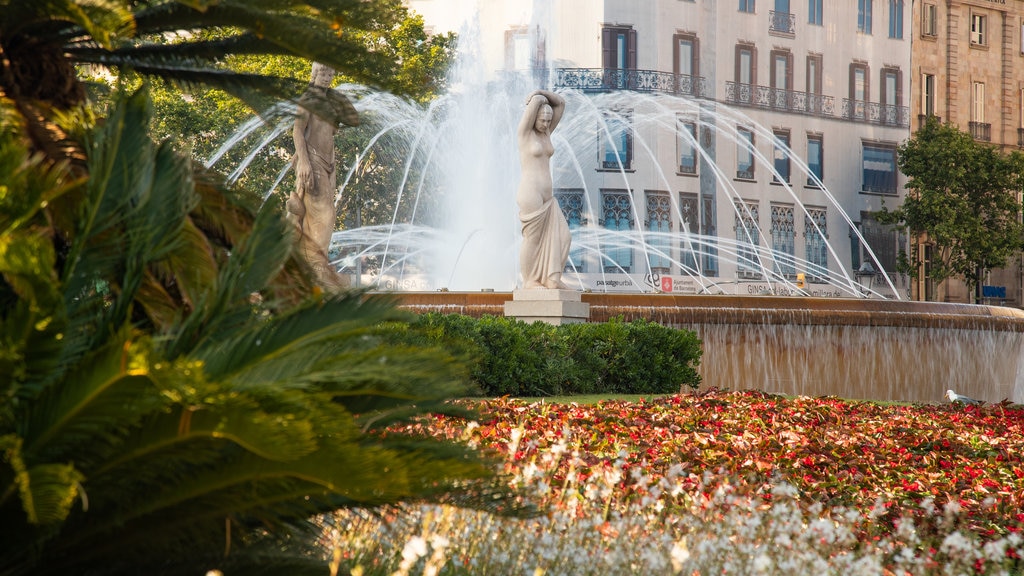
x,y
980,131
922,119
781,23
875,113
604,79
779,100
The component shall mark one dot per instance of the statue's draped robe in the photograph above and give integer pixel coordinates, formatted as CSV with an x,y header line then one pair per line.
x,y
551,249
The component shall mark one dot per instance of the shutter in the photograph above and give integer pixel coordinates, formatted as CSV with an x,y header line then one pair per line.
x,y
607,48
541,57
789,71
753,66
631,62
736,67
695,68
676,38
509,50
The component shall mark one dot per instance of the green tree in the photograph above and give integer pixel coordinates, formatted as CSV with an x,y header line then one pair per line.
x,y
205,118
207,440
963,200
185,43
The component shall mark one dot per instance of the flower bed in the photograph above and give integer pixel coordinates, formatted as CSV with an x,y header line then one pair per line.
x,y
741,482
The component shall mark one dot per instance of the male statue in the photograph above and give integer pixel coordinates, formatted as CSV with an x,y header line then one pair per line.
x,y
311,205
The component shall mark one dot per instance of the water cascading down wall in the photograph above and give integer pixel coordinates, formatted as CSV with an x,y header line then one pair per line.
x,y
851,348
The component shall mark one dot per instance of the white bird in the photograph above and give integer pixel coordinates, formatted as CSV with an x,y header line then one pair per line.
x,y
954,397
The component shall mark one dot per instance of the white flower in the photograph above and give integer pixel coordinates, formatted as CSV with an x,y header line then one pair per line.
x,y
680,554
762,563
415,549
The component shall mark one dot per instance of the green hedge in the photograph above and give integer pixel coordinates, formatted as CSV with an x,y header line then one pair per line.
x,y
511,357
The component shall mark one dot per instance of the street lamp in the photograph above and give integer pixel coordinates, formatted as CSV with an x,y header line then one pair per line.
x,y
865,276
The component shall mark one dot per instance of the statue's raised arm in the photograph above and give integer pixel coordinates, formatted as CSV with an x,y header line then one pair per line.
x,y
546,235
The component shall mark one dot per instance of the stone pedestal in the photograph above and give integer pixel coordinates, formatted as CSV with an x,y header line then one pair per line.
x,y
552,306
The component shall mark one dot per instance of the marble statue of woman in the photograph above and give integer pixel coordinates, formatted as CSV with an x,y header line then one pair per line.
x,y
546,235
311,205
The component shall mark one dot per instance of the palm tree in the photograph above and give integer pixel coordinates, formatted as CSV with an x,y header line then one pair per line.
x,y
183,42
200,441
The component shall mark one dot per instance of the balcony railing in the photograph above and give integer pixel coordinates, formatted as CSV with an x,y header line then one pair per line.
x,y
782,23
875,113
922,119
981,131
603,79
778,99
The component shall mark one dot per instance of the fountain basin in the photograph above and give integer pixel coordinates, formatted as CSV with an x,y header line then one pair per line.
x,y
851,348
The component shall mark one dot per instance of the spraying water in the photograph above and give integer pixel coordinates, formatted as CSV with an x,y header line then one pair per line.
x,y
458,156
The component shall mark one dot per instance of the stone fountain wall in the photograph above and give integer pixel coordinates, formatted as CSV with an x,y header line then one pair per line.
x,y
851,348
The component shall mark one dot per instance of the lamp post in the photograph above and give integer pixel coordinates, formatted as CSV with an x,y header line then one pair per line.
x,y
865,276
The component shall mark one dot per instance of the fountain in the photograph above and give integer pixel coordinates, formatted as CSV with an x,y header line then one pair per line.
x,y
832,336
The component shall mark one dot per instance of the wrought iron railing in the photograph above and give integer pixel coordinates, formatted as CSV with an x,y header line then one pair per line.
x,y
922,119
875,113
778,99
602,79
981,131
781,22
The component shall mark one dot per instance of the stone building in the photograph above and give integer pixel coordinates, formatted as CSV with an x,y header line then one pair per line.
x,y
968,69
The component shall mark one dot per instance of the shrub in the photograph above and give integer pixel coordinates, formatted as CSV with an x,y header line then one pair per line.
x,y
511,357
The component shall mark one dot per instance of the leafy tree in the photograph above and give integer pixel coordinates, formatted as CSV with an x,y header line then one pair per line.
x,y
204,119
963,200
205,440
185,43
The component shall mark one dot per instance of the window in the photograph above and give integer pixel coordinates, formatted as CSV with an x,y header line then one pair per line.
x,y
782,79
659,225
780,20
979,128
895,18
928,94
746,73
815,160
929,20
618,48
689,242
879,168
814,99
748,237
616,215
746,5
882,239
780,157
978,29
816,242
686,146
524,49
892,96
745,154
615,138
864,16
686,63
814,10
571,203
859,90
784,240
978,102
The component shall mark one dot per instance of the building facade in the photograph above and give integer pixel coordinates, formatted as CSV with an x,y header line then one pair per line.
x,y
968,68
745,142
